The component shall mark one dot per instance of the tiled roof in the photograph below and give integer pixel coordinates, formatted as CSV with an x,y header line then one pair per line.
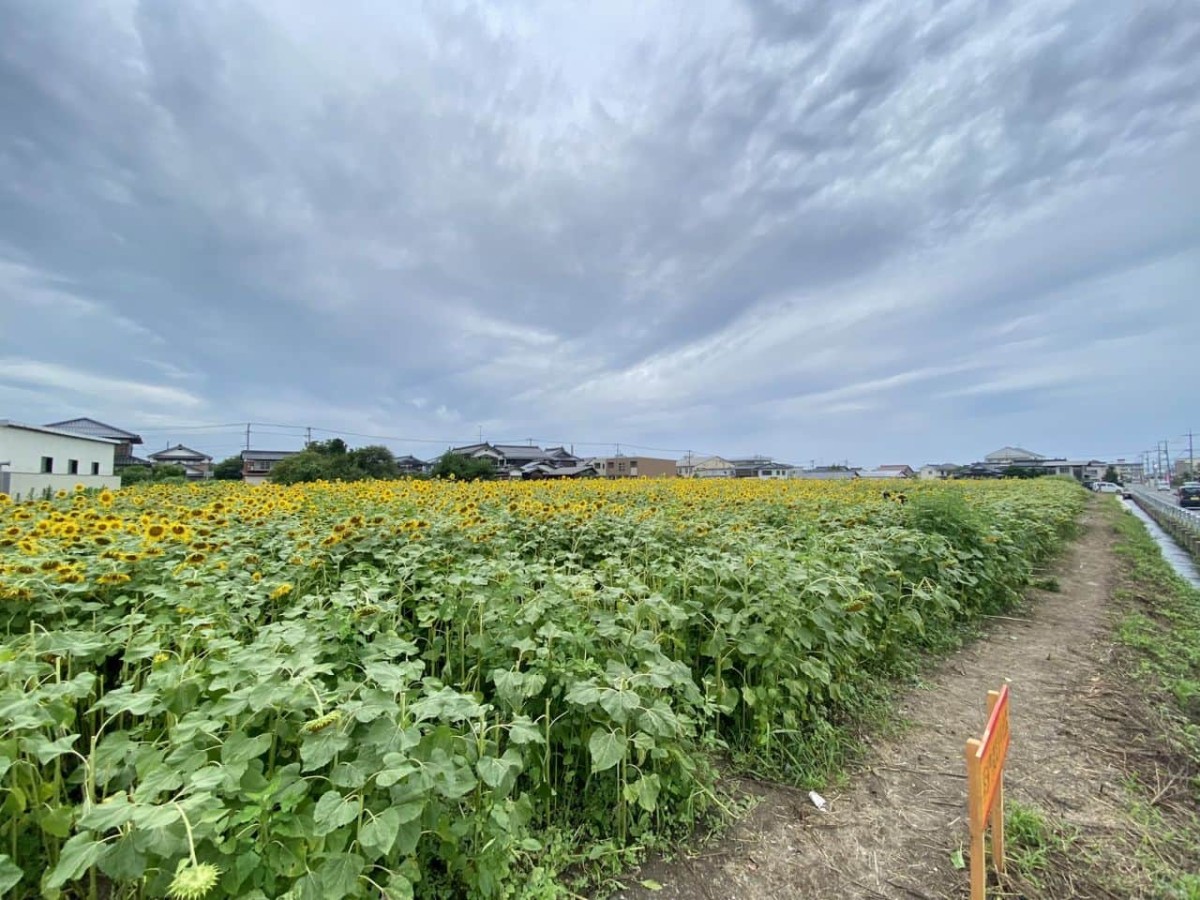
x,y
268,455
93,428
180,452
59,432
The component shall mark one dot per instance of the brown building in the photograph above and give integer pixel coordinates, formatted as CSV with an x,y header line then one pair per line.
x,y
633,467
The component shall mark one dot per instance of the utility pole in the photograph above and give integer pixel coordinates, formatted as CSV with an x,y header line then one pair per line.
x,y
1191,455
247,435
307,435
1167,454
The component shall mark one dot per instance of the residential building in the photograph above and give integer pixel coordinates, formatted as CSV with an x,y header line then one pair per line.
x,y
824,473
1185,465
883,472
125,440
410,465
760,467
902,471
36,459
1128,471
510,459
257,464
633,467
196,465
704,467
937,470
1013,456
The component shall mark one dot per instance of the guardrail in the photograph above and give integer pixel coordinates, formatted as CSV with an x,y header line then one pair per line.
x,y
1182,524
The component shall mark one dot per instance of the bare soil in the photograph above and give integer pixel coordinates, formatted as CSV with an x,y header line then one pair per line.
x,y
892,831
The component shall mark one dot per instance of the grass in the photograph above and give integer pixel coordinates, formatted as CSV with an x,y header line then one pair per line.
x,y
1160,635
1033,841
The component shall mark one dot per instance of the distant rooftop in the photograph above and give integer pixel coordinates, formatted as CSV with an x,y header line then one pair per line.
x,y
59,432
93,428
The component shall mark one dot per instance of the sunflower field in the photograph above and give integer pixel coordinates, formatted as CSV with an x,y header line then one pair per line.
x,y
433,689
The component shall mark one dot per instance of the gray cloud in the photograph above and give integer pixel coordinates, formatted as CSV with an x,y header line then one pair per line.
x,y
816,229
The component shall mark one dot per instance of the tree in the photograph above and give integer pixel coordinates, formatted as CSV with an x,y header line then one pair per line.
x,y
374,461
134,475
463,468
1111,476
228,469
307,465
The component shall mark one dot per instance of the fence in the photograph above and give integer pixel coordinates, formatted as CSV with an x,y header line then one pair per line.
x,y
1182,524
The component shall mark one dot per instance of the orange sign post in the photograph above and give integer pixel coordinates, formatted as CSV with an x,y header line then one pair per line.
x,y
985,790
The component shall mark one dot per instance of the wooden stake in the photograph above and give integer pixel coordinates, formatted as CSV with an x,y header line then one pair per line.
x,y
998,805
977,825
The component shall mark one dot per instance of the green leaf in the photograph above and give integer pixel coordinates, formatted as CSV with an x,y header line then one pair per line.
x,y
151,817
78,855
57,821
493,770
650,884
378,836
956,859
123,861
45,749
607,749
339,874
10,875
319,749
523,731
114,812
239,748
333,811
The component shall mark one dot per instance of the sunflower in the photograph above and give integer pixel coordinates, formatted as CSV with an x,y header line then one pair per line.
x,y
156,532
282,591
113,578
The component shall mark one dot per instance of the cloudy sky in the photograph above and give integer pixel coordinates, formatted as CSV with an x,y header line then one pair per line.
x,y
882,231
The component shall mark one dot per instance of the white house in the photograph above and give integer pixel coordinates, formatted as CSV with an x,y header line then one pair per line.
x,y
708,467
937,470
35,459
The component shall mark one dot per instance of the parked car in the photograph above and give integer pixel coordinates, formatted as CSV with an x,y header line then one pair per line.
x,y
1189,495
1106,487
1164,485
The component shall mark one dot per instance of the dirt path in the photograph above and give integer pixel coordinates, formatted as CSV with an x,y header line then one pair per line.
x,y
892,831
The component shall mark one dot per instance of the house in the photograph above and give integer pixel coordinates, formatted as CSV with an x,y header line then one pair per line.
x,y
824,473
884,472
37,460
125,440
937,470
980,470
1013,456
901,471
633,467
510,458
410,465
704,467
760,467
196,465
257,464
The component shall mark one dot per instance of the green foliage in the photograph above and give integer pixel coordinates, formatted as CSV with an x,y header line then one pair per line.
x,y
228,469
462,468
332,461
429,712
169,473
1111,476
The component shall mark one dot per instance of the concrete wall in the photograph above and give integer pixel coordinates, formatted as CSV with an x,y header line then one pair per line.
x,y
24,450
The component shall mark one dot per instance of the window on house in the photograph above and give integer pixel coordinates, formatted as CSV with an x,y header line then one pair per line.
x,y
95,468
72,467
47,465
